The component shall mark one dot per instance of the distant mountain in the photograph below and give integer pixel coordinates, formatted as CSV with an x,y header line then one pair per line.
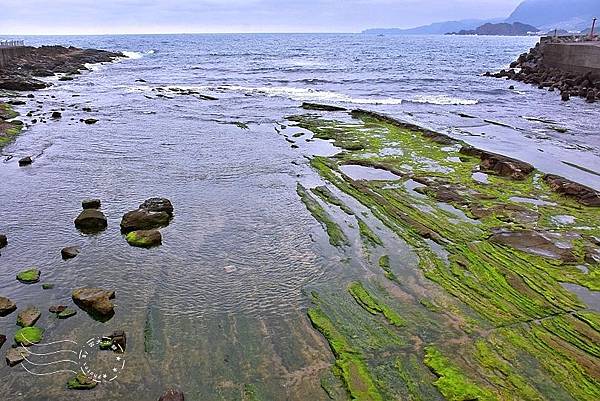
x,y
438,28
562,14
502,29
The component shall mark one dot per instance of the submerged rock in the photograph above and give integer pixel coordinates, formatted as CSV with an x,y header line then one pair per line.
x,y
69,252
67,313
91,221
144,238
2,340
95,301
25,161
81,382
91,203
550,245
7,306
172,395
28,317
582,194
29,336
143,219
30,276
15,356
321,107
57,308
3,241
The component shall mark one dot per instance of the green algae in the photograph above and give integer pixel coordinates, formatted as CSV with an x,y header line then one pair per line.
x,y
368,236
372,305
29,335
327,196
8,130
336,235
384,263
81,382
451,382
518,293
29,276
67,313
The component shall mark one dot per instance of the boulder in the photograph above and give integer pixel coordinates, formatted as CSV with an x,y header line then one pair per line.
x,y
25,161
81,382
3,241
91,204
15,356
69,252
91,221
28,317
172,395
158,205
29,336
143,219
585,195
29,276
7,306
144,238
95,301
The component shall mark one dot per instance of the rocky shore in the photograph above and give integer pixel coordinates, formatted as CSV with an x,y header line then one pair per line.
x,y
46,61
530,69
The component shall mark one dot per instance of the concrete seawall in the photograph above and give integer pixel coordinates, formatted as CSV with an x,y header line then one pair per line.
x,y
579,58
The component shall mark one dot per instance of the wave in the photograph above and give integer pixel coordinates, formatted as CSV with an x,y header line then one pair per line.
x,y
137,55
443,100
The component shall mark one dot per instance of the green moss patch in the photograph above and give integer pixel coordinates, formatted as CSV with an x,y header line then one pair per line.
x,y
29,336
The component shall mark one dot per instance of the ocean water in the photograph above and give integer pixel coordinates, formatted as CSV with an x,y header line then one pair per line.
x,y
221,306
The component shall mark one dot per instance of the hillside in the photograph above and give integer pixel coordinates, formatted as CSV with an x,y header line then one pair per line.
x,y
550,14
503,29
438,28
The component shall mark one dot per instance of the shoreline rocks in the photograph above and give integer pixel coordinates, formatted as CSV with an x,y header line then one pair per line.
x,y
503,166
582,194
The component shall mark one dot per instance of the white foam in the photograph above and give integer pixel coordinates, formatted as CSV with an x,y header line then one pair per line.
x,y
133,55
443,100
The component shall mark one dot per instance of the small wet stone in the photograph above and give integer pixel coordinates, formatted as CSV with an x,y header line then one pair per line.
x,y
91,221
3,241
69,252
7,306
67,313
28,317
81,382
47,286
15,356
57,308
25,161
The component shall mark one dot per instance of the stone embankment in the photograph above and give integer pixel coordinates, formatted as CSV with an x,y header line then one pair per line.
x,y
568,65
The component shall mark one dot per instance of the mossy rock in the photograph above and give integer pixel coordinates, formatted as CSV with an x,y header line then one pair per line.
x,y
29,335
144,238
81,382
67,313
30,276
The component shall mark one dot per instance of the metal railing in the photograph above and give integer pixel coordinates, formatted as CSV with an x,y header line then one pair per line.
x,y
12,43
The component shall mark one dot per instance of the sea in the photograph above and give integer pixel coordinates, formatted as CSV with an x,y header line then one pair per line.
x,y
219,310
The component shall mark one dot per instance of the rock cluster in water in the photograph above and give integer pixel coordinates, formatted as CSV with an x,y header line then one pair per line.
x,y
20,74
141,226
91,220
529,68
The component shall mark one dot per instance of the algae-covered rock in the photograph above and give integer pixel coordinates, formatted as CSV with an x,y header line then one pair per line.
x,y
7,306
29,335
28,317
81,382
143,219
91,221
29,276
15,356
172,395
95,301
585,195
67,313
144,238
47,286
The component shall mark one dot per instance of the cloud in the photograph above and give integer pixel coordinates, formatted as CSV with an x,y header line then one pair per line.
x,y
159,16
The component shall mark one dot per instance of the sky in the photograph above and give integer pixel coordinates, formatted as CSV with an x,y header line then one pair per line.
x,y
197,16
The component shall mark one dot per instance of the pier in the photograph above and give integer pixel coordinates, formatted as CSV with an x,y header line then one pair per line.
x,y
10,49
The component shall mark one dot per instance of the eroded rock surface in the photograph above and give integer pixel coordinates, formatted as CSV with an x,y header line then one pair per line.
x,y
552,245
95,301
582,194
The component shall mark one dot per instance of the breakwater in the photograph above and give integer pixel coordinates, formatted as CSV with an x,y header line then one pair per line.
x,y
573,57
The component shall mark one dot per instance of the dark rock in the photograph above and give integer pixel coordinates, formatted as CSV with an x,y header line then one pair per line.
x,y
65,78
551,245
172,395
2,340
143,219
117,342
91,203
57,308
15,356
590,96
16,102
321,107
87,109
21,83
585,195
3,241
69,252
158,205
7,306
565,96
90,121
56,114
28,317
500,165
47,286
31,96
26,161
95,301
91,221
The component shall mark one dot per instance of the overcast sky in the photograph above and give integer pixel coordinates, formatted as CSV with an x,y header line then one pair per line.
x,y
178,16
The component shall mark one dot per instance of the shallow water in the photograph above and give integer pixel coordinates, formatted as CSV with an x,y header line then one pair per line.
x,y
222,303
